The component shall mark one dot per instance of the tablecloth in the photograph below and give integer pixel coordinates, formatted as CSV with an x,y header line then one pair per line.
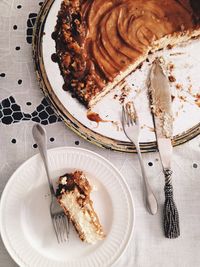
x,y
22,103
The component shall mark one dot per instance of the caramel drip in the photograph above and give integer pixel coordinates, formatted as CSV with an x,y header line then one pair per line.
x,y
93,116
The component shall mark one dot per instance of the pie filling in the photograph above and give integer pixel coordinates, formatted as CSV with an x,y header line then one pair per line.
x,y
100,42
73,194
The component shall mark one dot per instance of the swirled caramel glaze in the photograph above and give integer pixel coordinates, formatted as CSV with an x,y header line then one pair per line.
x,y
121,30
99,40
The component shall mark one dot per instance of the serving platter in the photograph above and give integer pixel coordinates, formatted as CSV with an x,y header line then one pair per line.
x,y
183,67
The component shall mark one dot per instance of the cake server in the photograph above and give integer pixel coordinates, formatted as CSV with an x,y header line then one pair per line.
x,y
161,106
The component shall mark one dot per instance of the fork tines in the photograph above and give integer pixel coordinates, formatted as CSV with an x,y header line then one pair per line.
x,y
129,113
61,227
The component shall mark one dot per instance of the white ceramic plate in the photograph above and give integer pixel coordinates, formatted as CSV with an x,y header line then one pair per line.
x,y
25,222
186,71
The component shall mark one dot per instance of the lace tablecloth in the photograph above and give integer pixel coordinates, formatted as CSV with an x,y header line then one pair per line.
x,y
22,104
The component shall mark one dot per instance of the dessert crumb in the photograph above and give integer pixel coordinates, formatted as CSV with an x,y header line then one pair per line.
x,y
151,129
172,97
138,91
171,78
124,93
183,98
197,100
177,54
170,66
116,124
179,86
169,46
190,88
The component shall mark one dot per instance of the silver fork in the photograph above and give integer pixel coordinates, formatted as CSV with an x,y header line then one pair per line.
x,y
58,217
131,128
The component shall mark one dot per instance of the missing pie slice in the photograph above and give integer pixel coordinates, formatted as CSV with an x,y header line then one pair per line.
x,y
100,42
73,194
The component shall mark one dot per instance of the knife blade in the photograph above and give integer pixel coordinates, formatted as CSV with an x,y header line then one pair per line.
x,y
161,106
162,111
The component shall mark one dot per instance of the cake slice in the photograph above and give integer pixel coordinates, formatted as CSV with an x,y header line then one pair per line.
x,y
100,42
73,194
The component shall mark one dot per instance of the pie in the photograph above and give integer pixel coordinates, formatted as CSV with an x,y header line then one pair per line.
x,y
73,194
100,42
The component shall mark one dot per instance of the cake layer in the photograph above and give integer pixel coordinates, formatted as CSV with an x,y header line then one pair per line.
x,y
73,194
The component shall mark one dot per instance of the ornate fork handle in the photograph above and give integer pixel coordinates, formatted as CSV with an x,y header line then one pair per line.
x,y
39,135
131,128
151,201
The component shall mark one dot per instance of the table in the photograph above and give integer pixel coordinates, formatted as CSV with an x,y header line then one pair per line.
x,y
22,104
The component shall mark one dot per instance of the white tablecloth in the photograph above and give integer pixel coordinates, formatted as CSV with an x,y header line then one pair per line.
x,y
22,103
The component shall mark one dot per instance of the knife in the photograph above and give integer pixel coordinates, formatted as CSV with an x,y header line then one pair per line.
x,y
161,106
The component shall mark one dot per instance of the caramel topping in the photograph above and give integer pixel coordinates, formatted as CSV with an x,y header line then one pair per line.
x,y
120,31
98,39
70,181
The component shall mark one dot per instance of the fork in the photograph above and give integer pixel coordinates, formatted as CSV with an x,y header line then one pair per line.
x,y
58,217
131,129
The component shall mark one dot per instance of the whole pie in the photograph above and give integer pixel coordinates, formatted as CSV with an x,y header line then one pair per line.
x,y
100,42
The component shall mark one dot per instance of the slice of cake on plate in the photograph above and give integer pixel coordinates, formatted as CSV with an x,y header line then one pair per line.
x,y
73,194
100,42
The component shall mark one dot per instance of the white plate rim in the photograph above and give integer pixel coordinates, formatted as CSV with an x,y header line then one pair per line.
x,y
5,240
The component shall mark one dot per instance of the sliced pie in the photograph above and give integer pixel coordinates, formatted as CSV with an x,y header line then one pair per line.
x,y
73,194
100,42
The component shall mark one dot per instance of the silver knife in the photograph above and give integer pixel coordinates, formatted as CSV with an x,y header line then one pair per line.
x,y
161,106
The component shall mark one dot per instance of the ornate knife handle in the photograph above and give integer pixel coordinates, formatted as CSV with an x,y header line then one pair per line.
x,y
170,212
168,183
